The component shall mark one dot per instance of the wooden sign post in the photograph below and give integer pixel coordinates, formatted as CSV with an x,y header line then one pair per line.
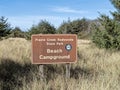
x,y
54,49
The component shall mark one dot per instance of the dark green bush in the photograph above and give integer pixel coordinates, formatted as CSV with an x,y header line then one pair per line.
x,y
108,34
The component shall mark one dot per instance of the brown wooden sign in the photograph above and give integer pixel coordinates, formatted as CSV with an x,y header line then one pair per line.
x,y
54,48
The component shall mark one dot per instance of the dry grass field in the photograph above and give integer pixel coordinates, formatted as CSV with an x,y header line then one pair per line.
x,y
96,69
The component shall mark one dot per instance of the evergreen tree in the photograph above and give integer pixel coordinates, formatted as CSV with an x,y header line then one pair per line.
x,y
78,27
17,32
65,28
4,27
116,14
42,28
109,35
46,28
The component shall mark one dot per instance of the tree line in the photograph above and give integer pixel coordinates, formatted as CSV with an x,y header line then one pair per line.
x,y
104,31
79,27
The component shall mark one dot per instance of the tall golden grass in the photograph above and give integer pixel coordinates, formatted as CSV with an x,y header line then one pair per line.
x,y
17,49
96,69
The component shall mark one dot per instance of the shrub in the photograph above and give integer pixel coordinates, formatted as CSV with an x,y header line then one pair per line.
x,y
107,36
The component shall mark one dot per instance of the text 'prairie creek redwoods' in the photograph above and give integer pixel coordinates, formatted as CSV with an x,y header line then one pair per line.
x,y
54,48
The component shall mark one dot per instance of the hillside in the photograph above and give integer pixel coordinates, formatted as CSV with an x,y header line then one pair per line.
x,y
96,69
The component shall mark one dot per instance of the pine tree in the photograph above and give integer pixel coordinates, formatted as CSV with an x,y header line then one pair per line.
x,y
116,14
109,35
43,27
17,32
4,27
78,27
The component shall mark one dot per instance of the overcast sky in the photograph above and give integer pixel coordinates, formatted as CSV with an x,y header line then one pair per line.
x,y
25,13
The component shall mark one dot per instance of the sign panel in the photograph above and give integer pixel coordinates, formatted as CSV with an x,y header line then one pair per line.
x,y
54,48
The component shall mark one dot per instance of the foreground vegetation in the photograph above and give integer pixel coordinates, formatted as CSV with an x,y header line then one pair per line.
x,y
96,69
